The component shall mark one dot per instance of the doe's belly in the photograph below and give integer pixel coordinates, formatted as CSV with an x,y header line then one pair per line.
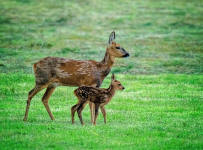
x,y
77,73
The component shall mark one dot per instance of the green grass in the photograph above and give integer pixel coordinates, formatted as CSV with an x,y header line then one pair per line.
x,y
161,36
161,107
153,112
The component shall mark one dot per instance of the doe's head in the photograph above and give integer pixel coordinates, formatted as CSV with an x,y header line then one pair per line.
x,y
116,84
115,49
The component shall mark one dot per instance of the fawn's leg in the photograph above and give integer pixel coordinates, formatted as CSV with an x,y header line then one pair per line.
x,y
92,105
31,94
45,100
103,112
93,113
96,113
73,109
79,111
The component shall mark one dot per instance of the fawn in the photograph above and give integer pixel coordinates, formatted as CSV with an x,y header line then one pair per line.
x,y
98,96
51,72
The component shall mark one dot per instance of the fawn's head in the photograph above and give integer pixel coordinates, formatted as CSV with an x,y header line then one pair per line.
x,y
116,84
115,49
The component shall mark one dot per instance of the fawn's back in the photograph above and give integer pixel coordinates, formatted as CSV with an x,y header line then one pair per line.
x,y
93,94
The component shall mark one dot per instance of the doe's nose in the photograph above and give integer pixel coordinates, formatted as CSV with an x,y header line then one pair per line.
x,y
126,55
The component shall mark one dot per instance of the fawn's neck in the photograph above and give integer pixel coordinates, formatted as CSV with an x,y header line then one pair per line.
x,y
111,92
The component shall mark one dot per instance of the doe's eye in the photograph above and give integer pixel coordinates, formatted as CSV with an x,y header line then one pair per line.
x,y
117,47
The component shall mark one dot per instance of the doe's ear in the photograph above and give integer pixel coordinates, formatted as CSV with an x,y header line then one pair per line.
x,y
113,76
112,37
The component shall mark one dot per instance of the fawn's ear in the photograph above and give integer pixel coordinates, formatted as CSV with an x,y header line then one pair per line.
x,y
112,37
113,76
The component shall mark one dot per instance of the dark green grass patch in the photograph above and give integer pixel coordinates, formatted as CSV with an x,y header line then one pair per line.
x,y
161,36
153,112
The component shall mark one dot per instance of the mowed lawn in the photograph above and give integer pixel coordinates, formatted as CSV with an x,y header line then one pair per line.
x,y
153,112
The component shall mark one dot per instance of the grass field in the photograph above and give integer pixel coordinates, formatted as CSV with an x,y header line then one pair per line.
x,y
153,112
161,36
162,105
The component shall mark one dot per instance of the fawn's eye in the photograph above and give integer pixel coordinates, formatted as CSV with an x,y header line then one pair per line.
x,y
117,47
119,84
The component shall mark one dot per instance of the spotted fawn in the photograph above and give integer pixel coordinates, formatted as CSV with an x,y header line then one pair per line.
x,y
98,96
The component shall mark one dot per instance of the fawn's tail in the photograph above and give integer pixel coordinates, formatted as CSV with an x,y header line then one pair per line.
x,y
76,92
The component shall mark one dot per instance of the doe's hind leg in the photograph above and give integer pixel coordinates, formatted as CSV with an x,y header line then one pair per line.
x,y
45,100
31,94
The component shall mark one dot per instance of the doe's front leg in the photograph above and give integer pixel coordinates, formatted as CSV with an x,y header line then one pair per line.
x,y
92,107
96,113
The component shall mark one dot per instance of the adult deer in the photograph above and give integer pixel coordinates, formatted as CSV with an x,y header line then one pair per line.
x,y
51,72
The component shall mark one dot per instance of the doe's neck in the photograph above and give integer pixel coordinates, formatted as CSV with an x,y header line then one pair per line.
x,y
108,60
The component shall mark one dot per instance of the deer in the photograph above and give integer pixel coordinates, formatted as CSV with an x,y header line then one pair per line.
x,y
98,96
51,72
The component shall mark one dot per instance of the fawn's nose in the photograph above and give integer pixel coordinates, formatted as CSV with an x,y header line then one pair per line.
x,y
123,88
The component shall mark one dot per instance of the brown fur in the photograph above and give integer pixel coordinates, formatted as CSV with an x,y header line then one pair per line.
x,y
51,72
98,96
